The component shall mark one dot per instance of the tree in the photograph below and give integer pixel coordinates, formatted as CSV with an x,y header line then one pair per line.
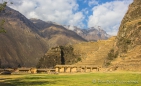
x,y
1,26
2,8
19,65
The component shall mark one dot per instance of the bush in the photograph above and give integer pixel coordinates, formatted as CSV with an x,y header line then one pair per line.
x,y
107,64
79,59
139,23
128,41
112,54
139,27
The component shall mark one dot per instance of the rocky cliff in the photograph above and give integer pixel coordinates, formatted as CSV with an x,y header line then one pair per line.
x,y
129,32
127,48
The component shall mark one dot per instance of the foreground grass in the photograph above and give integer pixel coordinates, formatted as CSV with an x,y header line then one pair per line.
x,y
88,79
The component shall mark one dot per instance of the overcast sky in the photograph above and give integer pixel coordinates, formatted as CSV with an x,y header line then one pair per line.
x,y
82,13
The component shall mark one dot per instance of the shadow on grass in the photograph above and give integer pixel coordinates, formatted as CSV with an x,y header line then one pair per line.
x,y
31,80
18,82
5,78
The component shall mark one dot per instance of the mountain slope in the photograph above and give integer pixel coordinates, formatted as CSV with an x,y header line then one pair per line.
x,y
56,34
21,45
127,47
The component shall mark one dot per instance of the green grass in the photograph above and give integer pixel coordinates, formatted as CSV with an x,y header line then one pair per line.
x,y
88,79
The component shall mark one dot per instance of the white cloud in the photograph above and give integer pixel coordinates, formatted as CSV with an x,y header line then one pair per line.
x,y
109,15
59,11
92,2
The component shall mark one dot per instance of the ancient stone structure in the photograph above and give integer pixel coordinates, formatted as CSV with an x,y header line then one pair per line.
x,y
33,70
76,68
23,70
58,69
29,71
48,71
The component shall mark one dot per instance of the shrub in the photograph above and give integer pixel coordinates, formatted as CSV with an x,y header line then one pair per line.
x,y
128,41
139,27
112,54
79,59
139,23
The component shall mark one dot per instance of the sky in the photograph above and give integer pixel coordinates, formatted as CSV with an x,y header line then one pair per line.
x,y
81,13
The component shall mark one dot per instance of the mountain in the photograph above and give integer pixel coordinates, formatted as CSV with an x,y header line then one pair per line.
x,y
90,34
27,40
126,54
56,34
21,44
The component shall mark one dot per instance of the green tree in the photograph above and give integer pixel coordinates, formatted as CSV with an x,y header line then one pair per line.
x,y
2,8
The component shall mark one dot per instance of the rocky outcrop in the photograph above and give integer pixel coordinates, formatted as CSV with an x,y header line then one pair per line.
x,y
127,48
129,32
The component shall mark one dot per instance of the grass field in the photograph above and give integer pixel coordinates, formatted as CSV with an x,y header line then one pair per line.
x,y
87,79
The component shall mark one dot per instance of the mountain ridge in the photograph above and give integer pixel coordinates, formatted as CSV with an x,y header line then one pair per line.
x,y
54,32
90,34
24,43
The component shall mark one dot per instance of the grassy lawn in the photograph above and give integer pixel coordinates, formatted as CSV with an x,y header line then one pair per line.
x,y
88,79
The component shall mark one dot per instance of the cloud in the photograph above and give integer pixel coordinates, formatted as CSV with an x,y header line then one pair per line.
x,y
109,15
85,11
92,2
84,1
68,12
60,11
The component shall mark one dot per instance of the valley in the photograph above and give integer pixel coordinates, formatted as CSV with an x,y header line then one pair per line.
x,y
37,43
